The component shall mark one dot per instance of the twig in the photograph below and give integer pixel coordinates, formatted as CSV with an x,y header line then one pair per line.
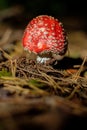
x,y
13,67
51,82
76,76
5,54
73,92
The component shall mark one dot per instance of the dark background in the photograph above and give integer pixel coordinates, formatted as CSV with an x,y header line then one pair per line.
x,y
72,13
52,7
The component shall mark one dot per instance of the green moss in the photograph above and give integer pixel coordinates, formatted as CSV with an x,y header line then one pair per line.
x,y
37,83
4,72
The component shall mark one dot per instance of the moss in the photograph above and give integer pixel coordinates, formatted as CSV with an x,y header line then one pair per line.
x,y
4,72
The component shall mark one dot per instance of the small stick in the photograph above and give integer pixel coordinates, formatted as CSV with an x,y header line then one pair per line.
x,y
80,69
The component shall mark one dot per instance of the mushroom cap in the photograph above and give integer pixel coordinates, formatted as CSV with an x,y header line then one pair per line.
x,y
45,34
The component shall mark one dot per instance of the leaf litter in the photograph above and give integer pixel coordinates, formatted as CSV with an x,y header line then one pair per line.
x,y
26,78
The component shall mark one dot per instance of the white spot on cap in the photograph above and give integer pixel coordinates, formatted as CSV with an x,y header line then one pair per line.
x,y
39,45
42,29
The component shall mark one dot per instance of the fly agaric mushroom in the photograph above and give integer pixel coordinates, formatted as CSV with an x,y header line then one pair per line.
x,y
45,37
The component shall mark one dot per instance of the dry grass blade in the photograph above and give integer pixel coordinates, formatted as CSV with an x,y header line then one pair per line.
x,y
50,80
13,67
28,71
18,83
73,92
5,54
76,76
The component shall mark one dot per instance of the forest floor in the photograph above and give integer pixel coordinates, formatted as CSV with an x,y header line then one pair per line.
x,y
38,96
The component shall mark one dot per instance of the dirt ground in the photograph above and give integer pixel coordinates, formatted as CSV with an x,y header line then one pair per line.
x,y
38,96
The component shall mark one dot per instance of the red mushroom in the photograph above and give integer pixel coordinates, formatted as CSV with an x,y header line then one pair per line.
x,y
45,37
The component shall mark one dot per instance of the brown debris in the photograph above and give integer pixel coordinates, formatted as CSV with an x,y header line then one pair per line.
x,y
30,79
